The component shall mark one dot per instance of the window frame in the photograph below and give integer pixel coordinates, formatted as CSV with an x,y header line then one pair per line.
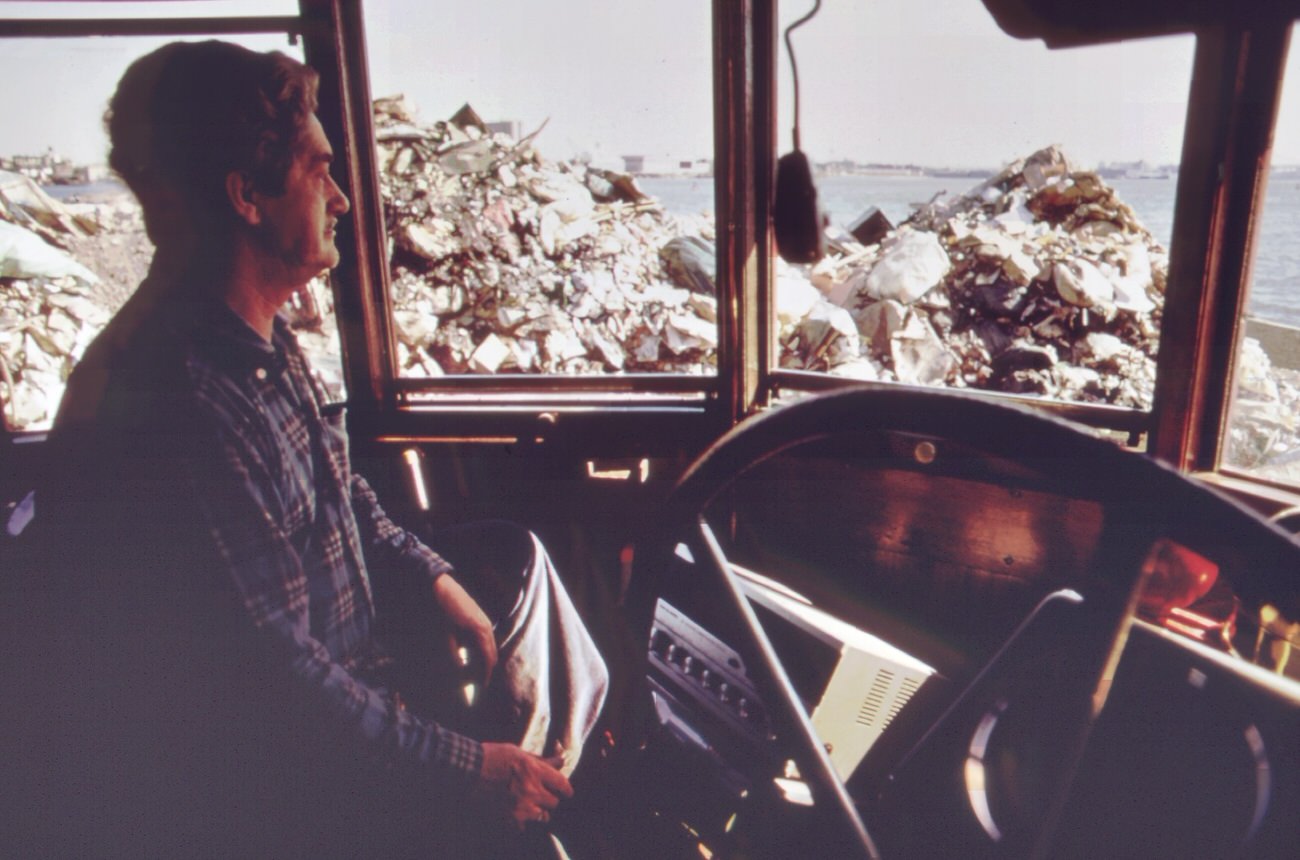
x,y
374,384
1232,108
1237,76
295,27
600,414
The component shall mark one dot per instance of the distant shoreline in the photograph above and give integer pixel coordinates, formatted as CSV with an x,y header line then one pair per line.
x,y
91,192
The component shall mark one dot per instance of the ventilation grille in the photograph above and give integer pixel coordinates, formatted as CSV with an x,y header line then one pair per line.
x,y
905,692
875,698
878,697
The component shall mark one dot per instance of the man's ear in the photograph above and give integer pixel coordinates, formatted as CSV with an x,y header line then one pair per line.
x,y
243,198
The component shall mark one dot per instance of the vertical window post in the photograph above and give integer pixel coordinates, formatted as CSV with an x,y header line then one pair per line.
x,y
1235,90
745,46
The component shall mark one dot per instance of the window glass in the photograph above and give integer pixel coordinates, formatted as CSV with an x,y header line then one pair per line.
x,y
72,241
1263,436
546,173
999,213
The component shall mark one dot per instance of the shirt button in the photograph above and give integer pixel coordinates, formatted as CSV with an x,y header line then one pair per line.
x,y
260,373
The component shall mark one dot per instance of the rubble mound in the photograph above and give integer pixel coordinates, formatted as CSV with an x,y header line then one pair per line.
x,y
1038,281
1264,435
502,261
52,295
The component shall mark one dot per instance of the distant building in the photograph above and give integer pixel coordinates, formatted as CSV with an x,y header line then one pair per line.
x,y
38,168
641,165
84,174
1135,170
46,169
890,170
849,167
65,172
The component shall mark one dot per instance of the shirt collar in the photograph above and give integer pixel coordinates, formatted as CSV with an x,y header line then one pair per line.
x,y
234,345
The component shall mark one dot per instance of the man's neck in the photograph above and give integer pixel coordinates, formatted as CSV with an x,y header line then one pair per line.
x,y
254,309
252,293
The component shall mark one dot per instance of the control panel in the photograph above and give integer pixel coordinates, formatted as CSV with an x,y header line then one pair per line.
x,y
698,670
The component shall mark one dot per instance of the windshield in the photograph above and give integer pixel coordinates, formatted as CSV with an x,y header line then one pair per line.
x,y
999,213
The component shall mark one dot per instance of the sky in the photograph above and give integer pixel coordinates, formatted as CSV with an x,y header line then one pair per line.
x,y
888,81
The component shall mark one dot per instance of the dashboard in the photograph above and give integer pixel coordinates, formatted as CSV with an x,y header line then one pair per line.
x,y
1196,754
941,630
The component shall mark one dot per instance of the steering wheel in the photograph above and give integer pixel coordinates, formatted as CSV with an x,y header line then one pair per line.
x,y
1141,502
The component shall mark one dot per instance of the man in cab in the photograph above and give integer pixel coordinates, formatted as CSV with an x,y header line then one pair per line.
x,y
251,630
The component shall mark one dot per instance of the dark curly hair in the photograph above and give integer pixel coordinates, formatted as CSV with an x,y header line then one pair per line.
x,y
188,113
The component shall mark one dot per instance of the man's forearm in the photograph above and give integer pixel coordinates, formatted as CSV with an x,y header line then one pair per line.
x,y
388,545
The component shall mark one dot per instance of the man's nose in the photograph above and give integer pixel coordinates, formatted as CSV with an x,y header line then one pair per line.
x,y
338,200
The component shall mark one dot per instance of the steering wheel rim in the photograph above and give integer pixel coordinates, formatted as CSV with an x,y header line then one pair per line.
x,y
1125,483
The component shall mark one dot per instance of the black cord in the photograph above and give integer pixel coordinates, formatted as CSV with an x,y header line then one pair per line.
x,y
794,68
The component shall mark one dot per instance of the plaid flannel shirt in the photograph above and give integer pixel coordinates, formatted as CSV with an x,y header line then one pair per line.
x,y
298,528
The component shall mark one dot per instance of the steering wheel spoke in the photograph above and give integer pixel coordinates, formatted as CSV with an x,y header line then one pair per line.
x,y
843,827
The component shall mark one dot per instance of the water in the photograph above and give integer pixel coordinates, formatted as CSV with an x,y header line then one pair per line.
x,y
105,189
1275,291
1275,288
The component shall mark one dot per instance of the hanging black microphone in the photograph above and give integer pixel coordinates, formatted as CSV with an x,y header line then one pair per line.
x,y
797,217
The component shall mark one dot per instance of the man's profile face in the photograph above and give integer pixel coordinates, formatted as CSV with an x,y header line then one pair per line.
x,y
298,226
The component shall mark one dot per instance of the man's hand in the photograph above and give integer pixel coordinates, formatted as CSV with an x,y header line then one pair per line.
x,y
468,626
520,786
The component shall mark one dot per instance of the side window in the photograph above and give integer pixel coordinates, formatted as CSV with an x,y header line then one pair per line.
x,y
547,187
1000,213
72,241
1263,429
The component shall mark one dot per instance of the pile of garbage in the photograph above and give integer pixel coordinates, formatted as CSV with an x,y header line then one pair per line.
x,y
1264,433
504,262
51,305
1038,281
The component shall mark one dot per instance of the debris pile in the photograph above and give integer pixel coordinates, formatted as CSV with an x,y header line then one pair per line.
x,y
1264,433
1037,281
51,305
504,262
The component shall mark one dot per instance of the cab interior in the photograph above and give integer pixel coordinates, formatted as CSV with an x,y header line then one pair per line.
x,y
735,540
